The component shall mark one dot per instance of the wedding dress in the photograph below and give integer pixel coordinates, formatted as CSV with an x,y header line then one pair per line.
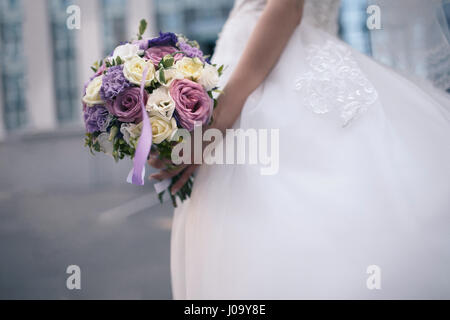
x,y
363,181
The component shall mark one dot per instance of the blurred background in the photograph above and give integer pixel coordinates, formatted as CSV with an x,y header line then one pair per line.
x,y
59,205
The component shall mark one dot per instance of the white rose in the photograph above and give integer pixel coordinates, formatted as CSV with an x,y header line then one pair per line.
x,y
190,68
133,70
125,52
162,129
160,103
170,74
131,133
92,96
209,77
105,145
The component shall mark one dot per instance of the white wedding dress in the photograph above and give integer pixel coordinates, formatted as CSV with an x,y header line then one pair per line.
x,y
364,180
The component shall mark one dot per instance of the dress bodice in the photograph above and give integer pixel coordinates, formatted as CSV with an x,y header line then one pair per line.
x,y
322,14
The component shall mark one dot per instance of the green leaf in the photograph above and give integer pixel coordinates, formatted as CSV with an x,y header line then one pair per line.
x,y
220,70
160,197
142,27
168,61
162,77
96,146
113,132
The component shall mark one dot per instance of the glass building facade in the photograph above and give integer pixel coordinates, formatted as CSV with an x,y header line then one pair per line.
x,y
114,23
12,73
66,84
191,17
446,5
353,29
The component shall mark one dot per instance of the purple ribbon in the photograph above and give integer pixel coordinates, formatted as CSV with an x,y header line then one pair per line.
x,y
145,140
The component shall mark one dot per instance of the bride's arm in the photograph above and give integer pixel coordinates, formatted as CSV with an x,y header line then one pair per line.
x,y
264,47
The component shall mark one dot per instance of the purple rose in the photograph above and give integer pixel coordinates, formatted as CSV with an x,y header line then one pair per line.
x,y
127,107
192,103
164,39
155,54
190,51
114,82
96,118
142,44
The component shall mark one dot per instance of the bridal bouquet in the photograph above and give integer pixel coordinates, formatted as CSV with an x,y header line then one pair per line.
x,y
142,94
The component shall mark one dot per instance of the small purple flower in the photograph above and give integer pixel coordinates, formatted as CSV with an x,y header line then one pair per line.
x,y
96,118
164,39
190,51
114,82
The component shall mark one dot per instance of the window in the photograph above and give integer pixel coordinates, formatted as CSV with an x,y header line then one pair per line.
x,y
194,19
353,28
12,73
64,60
114,24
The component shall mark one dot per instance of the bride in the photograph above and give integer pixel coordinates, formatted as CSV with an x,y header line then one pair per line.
x,y
360,207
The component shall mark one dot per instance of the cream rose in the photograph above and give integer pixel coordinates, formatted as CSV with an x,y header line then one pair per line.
x,y
170,74
163,129
160,103
209,77
92,96
190,68
134,68
125,52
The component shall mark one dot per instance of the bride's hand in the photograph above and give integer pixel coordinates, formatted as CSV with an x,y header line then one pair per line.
x,y
168,170
171,171
221,121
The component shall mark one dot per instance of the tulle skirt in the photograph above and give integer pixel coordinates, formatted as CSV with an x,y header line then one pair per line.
x,y
363,184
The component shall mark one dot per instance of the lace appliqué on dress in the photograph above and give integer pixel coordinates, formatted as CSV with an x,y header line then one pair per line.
x,y
335,83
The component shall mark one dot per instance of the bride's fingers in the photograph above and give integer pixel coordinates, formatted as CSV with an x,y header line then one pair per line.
x,y
183,179
168,173
154,152
156,163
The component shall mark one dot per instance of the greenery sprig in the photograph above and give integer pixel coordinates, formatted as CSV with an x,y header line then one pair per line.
x,y
142,27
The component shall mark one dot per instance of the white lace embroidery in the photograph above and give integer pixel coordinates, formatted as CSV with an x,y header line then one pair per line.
x,y
335,82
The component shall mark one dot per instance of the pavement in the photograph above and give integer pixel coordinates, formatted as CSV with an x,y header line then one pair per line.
x,y
60,206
